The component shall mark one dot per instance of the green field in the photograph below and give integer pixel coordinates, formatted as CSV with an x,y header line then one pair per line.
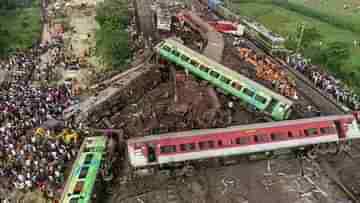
x,y
334,23
20,28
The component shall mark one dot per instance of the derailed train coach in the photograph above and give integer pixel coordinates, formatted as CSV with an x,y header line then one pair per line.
x,y
271,42
82,180
218,7
252,93
319,133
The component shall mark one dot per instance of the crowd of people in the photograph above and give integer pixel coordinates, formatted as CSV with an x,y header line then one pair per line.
x,y
325,82
28,161
266,70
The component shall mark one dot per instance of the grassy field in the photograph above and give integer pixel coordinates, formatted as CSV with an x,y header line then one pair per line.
x,y
333,7
112,40
283,20
23,28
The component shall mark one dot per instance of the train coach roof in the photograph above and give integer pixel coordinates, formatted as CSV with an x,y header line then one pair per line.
x,y
262,29
227,71
206,132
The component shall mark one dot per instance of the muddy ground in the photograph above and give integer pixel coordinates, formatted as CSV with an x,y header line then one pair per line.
x,y
247,182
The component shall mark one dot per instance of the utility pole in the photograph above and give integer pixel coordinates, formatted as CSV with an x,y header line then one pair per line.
x,y
227,4
302,28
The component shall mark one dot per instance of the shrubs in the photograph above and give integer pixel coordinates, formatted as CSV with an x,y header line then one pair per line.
x,y
112,41
20,28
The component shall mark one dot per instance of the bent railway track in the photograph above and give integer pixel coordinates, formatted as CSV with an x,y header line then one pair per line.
x,y
115,93
215,41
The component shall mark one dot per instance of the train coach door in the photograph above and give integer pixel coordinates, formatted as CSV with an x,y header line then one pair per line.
x,y
271,106
151,155
339,129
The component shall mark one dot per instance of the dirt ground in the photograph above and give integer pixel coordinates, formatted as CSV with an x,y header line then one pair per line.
x,y
78,20
254,182
346,168
195,106
82,36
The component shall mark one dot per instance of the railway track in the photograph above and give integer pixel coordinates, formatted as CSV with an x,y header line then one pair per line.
x,y
324,103
215,40
318,99
118,79
144,20
115,94
307,91
334,176
232,60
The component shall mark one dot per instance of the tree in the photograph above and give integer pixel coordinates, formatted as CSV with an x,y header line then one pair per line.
x,y
309,35
334,55
4,42
112,41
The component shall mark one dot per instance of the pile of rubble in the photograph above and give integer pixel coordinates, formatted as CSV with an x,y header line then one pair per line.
x,y
267,70
191,105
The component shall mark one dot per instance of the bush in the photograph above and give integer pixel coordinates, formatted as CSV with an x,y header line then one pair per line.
x,y
20,28
112,41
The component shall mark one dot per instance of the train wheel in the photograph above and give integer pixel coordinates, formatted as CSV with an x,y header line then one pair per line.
x,y
312,153
189,170
334,148
322,149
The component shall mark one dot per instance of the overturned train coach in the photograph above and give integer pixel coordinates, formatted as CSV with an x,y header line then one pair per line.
x,y
231,82
187,146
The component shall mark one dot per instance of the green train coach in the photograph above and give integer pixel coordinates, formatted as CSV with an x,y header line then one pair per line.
x,y
254,94
271,42
81,181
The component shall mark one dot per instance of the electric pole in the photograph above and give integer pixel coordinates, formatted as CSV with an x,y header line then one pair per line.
x,y
302,28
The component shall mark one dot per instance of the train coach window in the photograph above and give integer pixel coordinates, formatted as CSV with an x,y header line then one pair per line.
x,y
206,145
74,200
194,63
214,74
242,140
261,138
225,80
175,53
88,158
327,130
168,149
290,134
220,143
278,136
236,86
83,172
260,99
311,132
204,68
187,147
167,48
248,92
185,58
78,187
